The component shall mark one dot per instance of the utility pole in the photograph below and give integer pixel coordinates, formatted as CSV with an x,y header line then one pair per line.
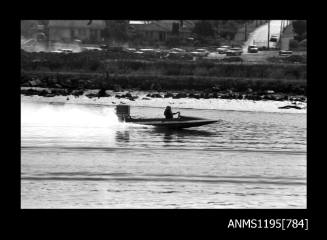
x,y
245,31
280,34
268,33
281,28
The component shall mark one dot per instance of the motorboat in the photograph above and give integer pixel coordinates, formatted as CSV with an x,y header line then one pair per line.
x,y
180,122
123,113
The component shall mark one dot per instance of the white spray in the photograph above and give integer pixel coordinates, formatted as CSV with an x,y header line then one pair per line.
x,y
68,115
68,125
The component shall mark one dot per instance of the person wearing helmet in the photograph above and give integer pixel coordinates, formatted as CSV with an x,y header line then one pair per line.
x,y
169,114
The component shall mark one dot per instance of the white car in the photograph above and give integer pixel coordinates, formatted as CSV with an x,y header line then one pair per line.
x,y
65,50
177,50
253,49
147,50
201,52
56,51
214,55
223,49
130,49
91,49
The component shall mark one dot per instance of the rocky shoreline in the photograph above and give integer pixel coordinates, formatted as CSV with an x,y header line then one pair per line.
x,y
128,94
76,84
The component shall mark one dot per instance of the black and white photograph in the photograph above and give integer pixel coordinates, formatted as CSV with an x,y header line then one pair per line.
x,y
163,114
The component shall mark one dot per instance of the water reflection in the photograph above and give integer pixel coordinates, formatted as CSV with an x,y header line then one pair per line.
x,y
180,135
122,136
168,137
155,136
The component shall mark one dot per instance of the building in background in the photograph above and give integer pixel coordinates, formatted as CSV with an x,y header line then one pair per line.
x,y
286,36
66,31
161,30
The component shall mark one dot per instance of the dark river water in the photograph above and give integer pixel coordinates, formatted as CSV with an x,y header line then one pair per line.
x,y
80,156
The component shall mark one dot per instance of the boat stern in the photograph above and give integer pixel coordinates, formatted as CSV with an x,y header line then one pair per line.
x,y
123,112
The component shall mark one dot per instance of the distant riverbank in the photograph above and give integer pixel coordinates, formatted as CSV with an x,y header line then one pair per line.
x,y
73,73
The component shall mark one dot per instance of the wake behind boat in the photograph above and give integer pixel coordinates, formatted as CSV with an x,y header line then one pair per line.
x,y
123,113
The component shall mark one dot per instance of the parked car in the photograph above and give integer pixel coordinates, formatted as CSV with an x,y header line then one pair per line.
x,y
285,53
253,49
200,52
63,51
223,49
104,46
235,51
214,55
273,38
66,50
178,55
78,41
129,50
177,50
91,49
56,51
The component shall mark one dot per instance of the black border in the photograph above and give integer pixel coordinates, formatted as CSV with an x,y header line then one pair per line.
x,y
187,221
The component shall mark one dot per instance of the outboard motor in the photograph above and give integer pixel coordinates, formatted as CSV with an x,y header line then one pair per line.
x,y
123,112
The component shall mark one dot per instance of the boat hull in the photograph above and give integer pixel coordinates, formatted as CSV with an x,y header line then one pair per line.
x,y
182,122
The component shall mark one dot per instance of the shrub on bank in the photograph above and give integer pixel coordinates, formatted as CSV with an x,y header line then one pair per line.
x,y
232,59
296,59
303,44
98,62
165,82
289,59
293,44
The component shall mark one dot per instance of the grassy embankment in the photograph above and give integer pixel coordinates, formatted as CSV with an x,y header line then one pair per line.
x,y
127,71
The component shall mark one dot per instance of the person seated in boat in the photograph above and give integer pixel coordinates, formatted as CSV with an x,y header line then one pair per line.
x,y
169,114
